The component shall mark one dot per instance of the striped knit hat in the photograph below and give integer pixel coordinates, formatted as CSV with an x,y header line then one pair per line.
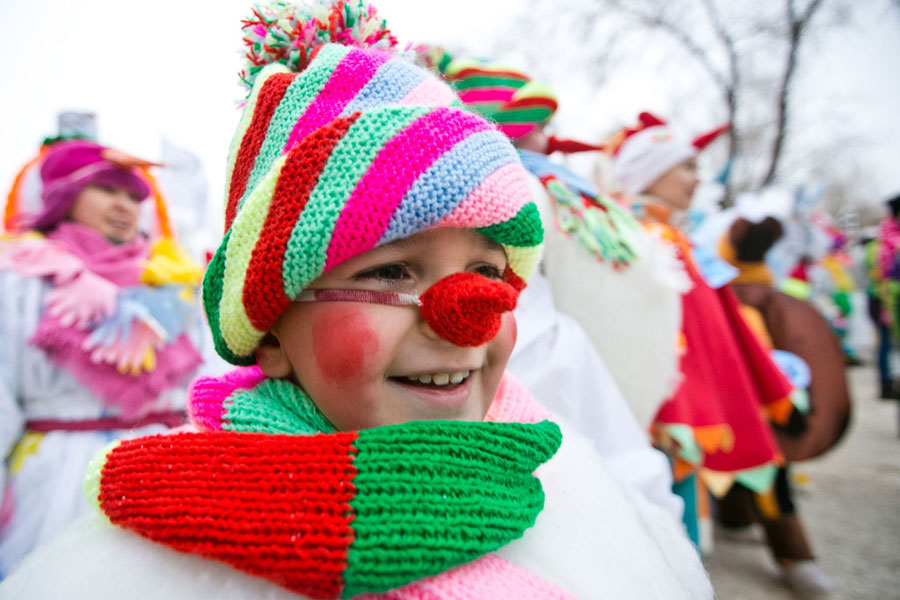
x,y
496,91
359,149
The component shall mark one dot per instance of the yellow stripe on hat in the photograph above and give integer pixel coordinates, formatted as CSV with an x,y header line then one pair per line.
x,y
245,231
524,260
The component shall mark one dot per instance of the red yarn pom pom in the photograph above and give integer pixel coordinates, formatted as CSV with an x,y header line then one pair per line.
x,y
466,308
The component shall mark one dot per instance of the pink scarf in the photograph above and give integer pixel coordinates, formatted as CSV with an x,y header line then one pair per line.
x,y
121,264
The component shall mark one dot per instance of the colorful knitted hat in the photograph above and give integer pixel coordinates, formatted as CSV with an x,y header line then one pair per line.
x,y
357,150
498,92
644,153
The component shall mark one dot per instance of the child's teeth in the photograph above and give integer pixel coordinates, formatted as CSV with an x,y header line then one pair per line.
x,y
458,376
440,378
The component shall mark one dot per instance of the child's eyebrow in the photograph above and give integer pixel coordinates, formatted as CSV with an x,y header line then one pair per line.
x,y
482,240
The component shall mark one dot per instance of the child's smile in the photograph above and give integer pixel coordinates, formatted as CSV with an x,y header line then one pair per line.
x,y
366,365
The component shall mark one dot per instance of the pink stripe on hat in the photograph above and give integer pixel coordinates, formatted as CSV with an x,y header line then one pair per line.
x,y
349,77
486,95
396,167
517,130
430,92
496,200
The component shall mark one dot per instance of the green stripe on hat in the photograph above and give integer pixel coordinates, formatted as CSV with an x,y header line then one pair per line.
x,y
531,114
305,257
488,81
524,229
212,297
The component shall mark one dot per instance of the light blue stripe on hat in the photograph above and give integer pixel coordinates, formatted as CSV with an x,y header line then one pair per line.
x,y
394,80
449,181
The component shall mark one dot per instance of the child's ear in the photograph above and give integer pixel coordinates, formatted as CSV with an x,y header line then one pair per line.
x,y
272,359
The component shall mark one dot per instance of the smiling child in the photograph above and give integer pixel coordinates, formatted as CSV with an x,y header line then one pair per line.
x,y
377,235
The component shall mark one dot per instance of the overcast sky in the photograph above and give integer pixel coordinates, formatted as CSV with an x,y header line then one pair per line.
x,y
168,69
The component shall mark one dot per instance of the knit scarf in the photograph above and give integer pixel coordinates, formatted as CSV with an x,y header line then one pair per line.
x,y
328,513
119,263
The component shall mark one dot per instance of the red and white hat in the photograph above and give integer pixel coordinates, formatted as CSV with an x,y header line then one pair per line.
x,y
644,153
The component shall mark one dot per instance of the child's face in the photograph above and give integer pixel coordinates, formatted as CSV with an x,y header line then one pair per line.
x,y
111,211
676,186
366,365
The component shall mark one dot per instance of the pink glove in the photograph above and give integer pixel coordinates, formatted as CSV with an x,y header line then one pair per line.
x,y
40,258
83,301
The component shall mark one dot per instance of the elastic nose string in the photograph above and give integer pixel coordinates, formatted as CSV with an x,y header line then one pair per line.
x,y
465,309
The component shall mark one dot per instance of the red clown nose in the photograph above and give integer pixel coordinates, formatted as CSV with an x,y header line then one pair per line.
x,y
467,309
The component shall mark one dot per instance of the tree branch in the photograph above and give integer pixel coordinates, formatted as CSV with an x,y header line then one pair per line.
x,y
684,39
796,27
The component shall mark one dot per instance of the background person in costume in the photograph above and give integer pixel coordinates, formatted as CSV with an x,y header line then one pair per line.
x,y
793,326
712,425
883,293
94,339
377,237
554,357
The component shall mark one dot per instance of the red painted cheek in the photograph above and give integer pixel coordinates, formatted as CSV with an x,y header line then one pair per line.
x,y
343,341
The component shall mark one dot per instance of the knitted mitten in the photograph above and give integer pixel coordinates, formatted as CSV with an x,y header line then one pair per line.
x,y
332,515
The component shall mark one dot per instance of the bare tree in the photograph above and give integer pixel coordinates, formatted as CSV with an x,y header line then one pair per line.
x,y
749,55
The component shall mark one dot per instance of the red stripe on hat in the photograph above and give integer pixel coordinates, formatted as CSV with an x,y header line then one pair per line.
x,y
263,295
267,101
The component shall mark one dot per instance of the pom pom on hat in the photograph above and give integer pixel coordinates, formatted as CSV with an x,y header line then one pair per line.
x,y
288,34
360,148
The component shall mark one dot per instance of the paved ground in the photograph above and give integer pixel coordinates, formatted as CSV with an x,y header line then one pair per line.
x,y
850,506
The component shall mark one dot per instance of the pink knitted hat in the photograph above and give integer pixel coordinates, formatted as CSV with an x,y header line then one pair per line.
x,y
69,166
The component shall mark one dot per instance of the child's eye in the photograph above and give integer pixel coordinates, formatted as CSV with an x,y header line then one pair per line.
x,y
391,272
490,271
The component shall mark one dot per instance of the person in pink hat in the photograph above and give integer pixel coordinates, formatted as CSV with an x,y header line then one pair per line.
x,y
94,335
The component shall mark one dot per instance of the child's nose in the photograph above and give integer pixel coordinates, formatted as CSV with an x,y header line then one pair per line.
x,y
466,309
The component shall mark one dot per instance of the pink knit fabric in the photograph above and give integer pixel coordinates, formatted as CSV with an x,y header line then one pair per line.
x,y
351,74
504,192
488,577
206,408
491,95
430,92
369,209
129,393
515,404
